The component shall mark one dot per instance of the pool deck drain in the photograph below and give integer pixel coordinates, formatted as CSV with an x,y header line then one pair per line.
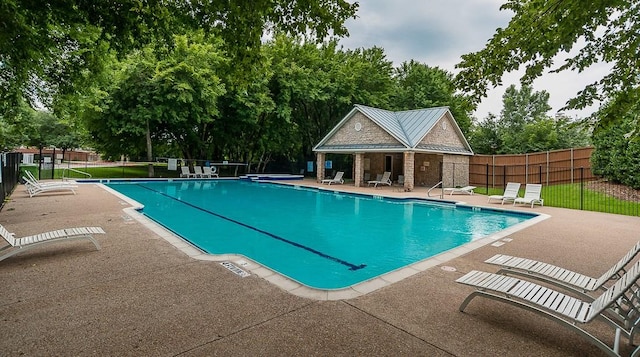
x,y
234,269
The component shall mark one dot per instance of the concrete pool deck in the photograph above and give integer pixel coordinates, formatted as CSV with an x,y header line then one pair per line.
x,y
140,296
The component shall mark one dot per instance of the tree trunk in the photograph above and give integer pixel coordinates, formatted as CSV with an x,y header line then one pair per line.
x,y
149,152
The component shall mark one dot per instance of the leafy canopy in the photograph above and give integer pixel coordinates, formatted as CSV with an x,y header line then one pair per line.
x,y
524,126
421,86
542,29
48,46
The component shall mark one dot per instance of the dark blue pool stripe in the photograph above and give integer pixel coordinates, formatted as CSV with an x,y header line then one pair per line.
x,y
309,249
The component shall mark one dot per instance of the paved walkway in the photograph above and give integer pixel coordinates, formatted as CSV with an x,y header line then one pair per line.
x,y
140,296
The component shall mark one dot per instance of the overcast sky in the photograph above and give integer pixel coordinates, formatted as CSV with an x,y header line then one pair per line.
x,y
438,32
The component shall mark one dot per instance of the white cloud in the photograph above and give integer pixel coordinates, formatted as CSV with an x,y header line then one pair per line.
x,y
439,32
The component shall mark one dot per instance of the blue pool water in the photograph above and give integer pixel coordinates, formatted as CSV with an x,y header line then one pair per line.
x,y
321,239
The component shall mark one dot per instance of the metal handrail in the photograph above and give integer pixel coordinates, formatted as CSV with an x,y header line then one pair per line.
x,y
434,186
74,170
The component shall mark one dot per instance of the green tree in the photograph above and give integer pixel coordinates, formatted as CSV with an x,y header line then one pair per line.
x,y
163,94
616,140
484,137
542,29
15,128
421,86
44,129
46,46
520,109
524,126
317,85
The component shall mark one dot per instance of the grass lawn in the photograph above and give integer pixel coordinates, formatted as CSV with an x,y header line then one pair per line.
x,y
134,171
577,196
573,196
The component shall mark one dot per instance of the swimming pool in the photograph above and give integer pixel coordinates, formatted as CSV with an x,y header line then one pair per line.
x,y
321,239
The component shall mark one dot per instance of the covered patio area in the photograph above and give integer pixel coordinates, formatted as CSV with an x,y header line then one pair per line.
x,y
418,147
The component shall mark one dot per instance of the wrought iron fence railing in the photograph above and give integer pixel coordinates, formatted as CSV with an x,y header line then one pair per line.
x,y
9,174
575,188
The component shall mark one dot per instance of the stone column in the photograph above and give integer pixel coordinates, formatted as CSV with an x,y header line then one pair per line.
x,y
320,157
358,168
409,170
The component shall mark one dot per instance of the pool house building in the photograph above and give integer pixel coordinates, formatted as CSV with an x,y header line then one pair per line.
x,y
419,147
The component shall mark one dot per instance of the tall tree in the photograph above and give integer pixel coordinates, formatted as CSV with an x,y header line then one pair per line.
x,y
316,85
421,86
542,29
524,126
169,94
47,45
520,108
616,140
484,137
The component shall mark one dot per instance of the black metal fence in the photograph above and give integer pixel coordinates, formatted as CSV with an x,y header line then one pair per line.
x,y
568,187
9,174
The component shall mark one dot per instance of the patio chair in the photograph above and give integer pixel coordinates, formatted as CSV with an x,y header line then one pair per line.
x,y
43,183
617,306
208,171
336,179
35,188
466,189
197,171
385,179
17,245
510,193
564,278
185,172
531,195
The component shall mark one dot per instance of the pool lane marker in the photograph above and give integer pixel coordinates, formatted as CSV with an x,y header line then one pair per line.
x,y
295,244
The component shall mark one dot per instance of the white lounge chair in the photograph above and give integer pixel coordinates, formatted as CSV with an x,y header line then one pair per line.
x,y
185,172
384,180
510,193
336,179
17,245
197,171
617,306
531,195
561,277
210,171
466,189
42,183
35,188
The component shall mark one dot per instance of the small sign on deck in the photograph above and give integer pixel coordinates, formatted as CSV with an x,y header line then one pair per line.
x,y
231,267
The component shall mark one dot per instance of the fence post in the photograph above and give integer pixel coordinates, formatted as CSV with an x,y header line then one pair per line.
x,y
540,174
53,164
504,175
582,188
487,178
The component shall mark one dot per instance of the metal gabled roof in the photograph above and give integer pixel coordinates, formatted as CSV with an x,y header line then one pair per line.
x,y
417,123
387,120
409,126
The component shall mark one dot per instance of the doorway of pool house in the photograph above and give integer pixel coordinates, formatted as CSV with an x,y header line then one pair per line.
x,y
388,163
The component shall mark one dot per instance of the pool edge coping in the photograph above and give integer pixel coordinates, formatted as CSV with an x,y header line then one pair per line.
x,y
293,287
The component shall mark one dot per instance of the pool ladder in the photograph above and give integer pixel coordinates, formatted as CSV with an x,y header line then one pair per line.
x,y
434,186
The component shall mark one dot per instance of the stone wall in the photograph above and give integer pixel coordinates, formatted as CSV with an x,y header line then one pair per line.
x,y
444,133
455,170
376,164
427,169
369,133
